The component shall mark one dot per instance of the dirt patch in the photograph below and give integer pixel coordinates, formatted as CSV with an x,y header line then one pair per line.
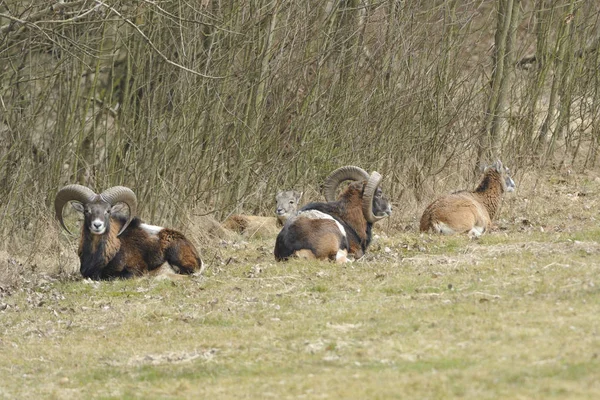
x,y
11,273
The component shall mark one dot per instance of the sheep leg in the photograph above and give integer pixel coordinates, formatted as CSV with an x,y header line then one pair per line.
x,y
305,254
341,257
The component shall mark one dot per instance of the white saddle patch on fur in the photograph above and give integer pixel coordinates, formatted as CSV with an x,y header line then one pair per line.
x,y
316,214
151,229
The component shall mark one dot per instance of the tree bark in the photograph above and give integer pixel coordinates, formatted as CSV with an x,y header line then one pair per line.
x,y
495,125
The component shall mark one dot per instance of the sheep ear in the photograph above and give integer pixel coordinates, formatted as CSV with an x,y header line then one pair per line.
x,y
77,206
482,167
498,165
299,195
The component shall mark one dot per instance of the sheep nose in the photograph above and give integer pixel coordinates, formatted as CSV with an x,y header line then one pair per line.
x,y
97,224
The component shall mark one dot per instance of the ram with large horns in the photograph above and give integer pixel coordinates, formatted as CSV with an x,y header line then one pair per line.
x,y
338,227
115,245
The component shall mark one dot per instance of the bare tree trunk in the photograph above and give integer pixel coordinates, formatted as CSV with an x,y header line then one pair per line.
x,y
265,57
394,16
544,147
543,15
495,125
567,84
348,38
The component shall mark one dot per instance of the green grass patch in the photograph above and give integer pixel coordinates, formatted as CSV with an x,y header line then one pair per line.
x,y
505,316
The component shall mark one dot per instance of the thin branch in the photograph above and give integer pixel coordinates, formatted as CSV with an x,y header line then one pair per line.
x,y
156,50
590,49
525,62
56,7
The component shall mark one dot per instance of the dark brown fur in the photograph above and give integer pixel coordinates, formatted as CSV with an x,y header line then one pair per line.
x,y
322,236
348,212
134,252
489,192
178,251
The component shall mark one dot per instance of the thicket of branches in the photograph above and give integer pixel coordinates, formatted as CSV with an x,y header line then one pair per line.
x,y
218,104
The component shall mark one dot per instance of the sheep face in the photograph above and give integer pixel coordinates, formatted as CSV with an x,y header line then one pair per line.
x,y
509,184
497,172
287,204
97,215
381,205
96,208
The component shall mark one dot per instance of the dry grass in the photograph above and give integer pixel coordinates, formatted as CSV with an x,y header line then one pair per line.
x,y
512,315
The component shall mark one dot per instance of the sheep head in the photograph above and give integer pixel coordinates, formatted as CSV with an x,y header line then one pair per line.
x,y
287,203
375,205
96,208
508,185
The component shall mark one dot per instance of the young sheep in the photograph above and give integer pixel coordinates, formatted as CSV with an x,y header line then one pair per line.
x,y
334,229
470,212
253,225
115,246
287,205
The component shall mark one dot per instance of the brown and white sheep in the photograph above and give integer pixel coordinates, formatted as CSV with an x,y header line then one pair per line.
x,y
334,229
115,246
469,211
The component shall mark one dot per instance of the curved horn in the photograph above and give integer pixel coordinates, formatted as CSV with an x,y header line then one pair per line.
x,y
121,194
340,175
68,193
369,192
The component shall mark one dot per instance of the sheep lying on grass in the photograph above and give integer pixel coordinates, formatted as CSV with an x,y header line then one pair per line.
x,y
334,229
252,225
115,246
469,211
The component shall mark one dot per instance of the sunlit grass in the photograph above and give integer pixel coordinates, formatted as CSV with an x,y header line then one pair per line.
x,y
512,314
504,316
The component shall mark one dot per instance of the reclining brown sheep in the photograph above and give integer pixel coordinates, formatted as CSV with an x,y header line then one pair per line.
x,y
334,229
466,211
115,246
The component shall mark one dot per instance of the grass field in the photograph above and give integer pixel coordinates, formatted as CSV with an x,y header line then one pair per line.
x,y
513,315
